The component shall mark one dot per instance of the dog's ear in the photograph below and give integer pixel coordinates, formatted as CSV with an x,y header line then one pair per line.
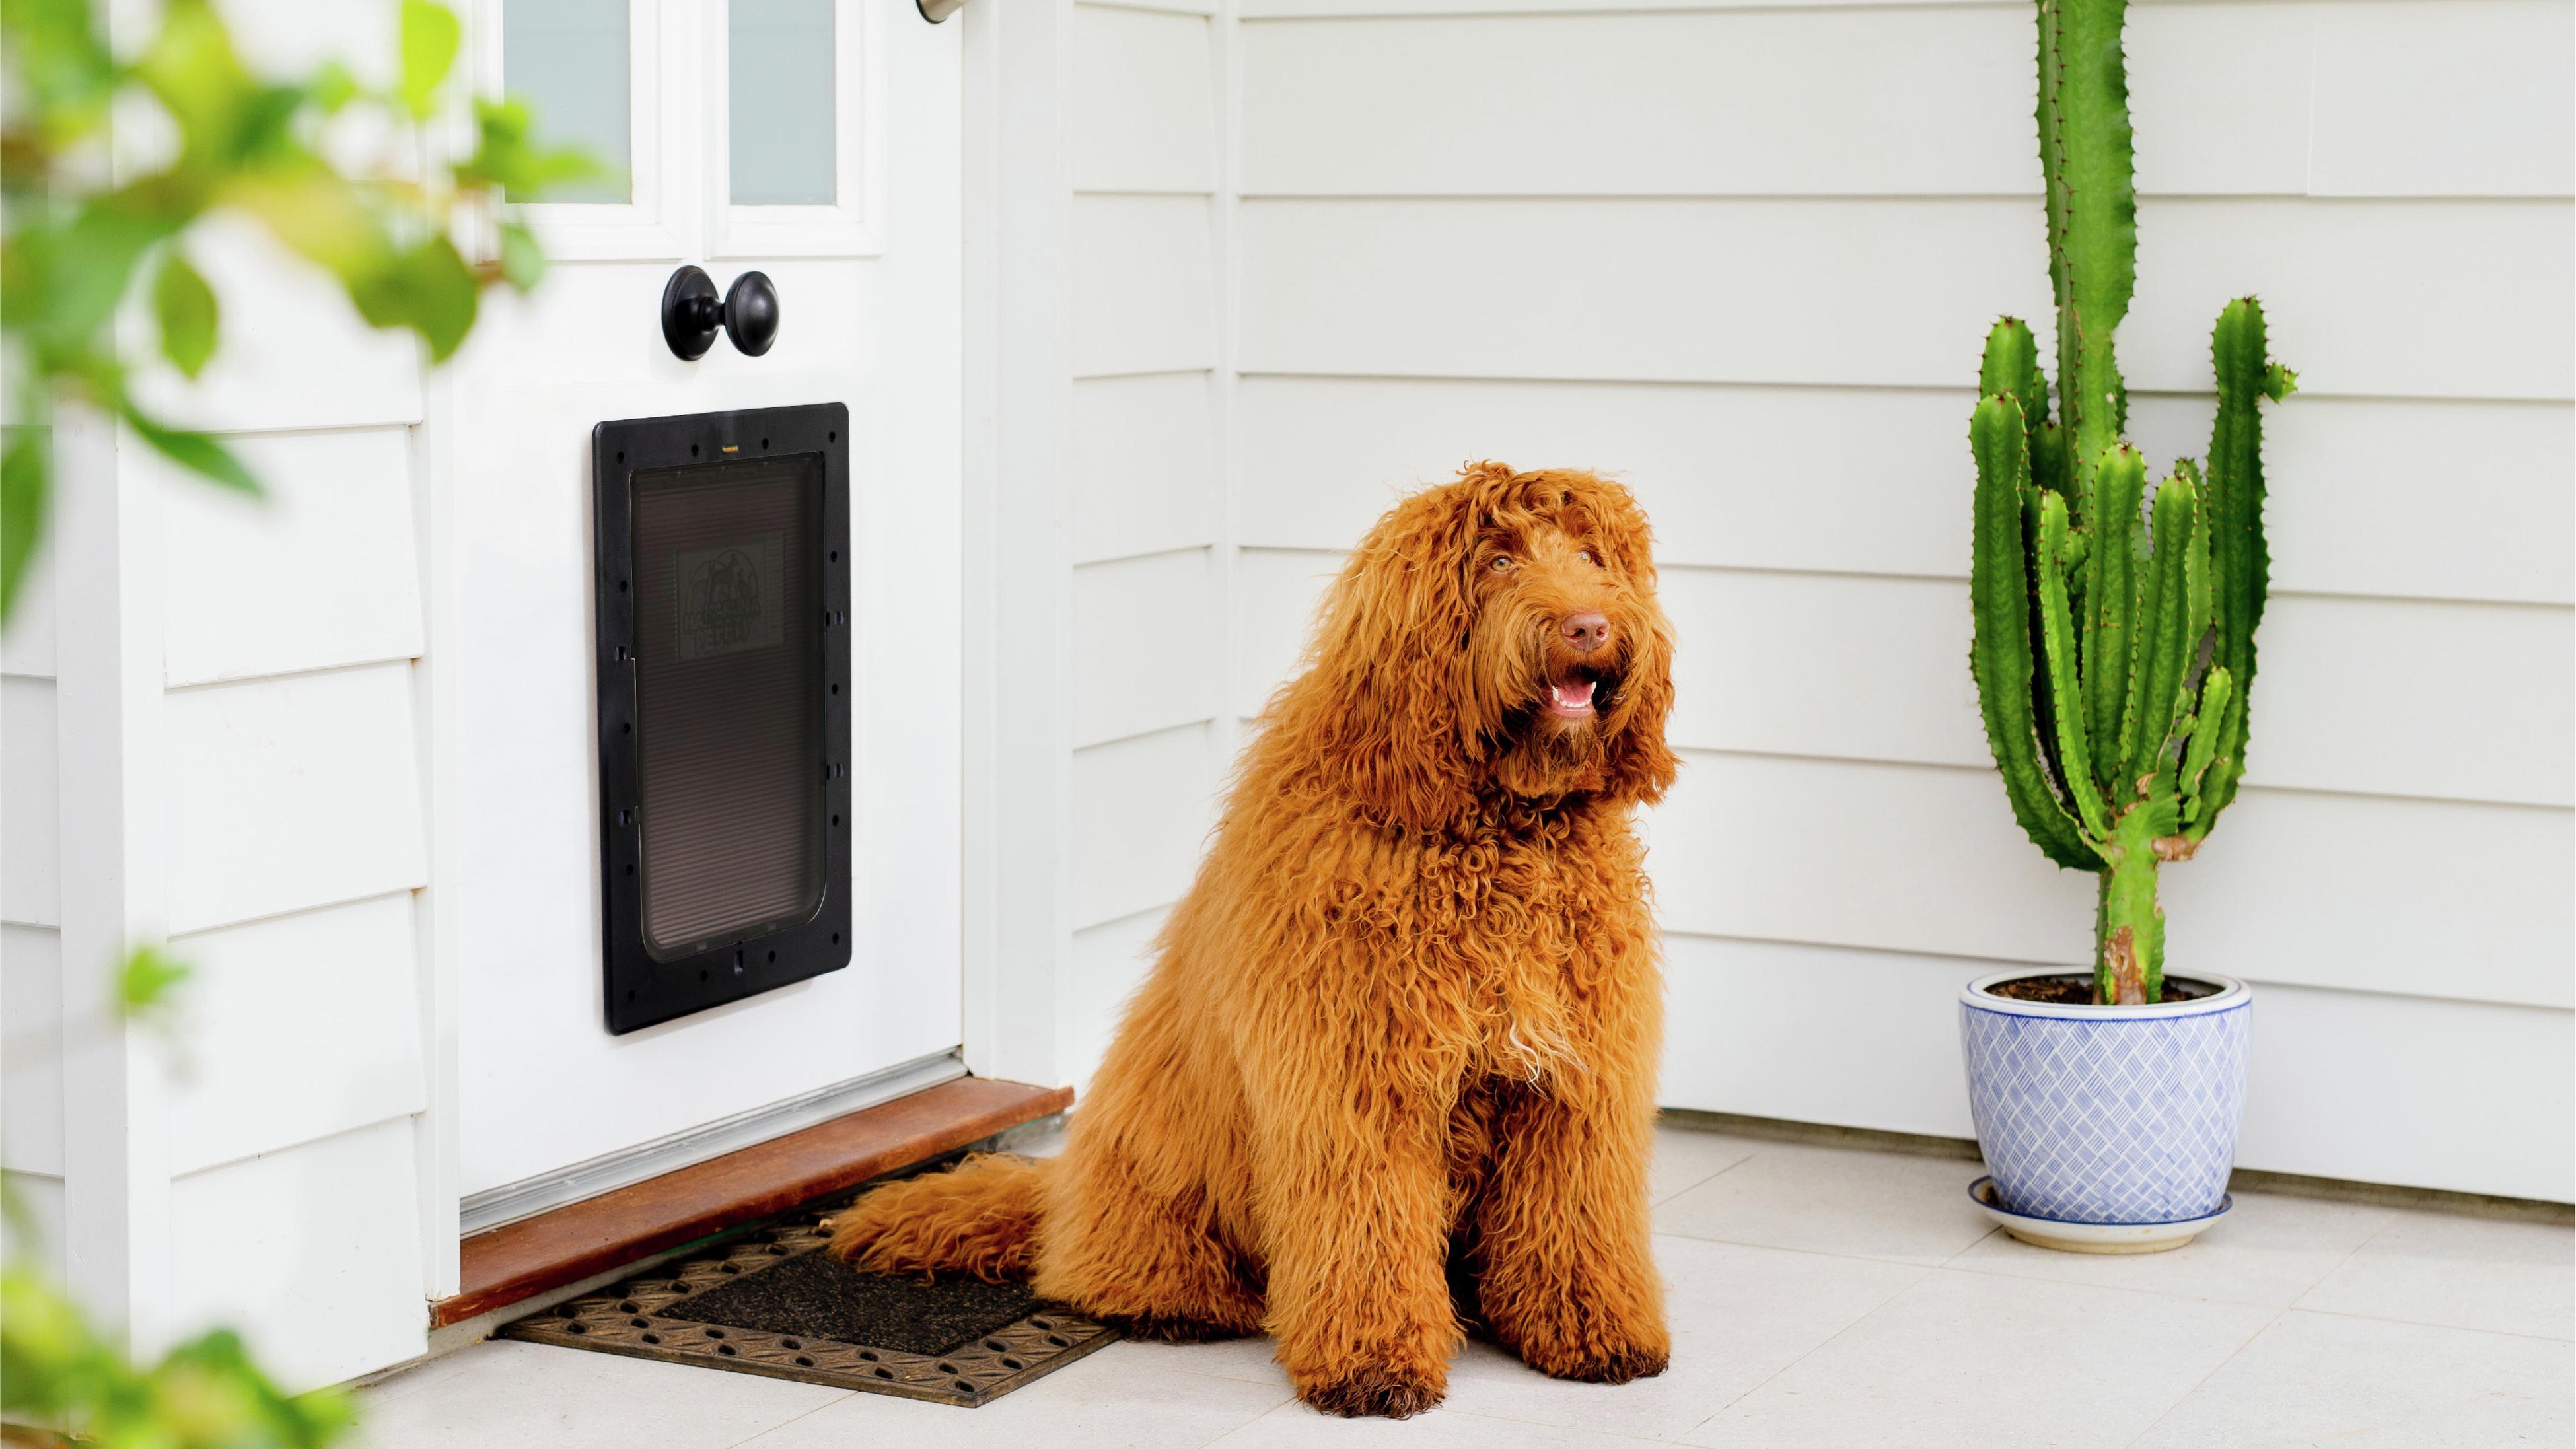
x,y
1385,690
1641,765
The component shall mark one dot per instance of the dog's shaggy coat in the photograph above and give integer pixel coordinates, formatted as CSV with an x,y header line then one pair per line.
x,y
1392,1073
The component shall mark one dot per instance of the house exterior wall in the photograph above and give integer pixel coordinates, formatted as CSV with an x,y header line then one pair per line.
x,y
235,763
1150,726
1744,257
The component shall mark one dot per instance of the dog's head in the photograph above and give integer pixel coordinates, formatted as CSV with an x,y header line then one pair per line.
x,y
1495,634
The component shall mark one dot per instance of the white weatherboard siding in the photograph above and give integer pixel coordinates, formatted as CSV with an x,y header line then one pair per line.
x,y
1146,639
1743,256
208,736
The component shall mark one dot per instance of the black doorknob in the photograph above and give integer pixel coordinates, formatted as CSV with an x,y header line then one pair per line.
x,y
691,314
751,313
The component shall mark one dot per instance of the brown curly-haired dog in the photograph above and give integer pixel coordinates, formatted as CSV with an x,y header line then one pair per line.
x,y
1394,1066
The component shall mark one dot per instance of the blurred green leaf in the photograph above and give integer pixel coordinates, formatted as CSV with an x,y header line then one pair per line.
x,y
185,307
429,36
522,261
505,156
196,452
439,295
23,500
145,982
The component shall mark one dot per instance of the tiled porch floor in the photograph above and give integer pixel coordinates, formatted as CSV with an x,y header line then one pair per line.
x,y
1819,1296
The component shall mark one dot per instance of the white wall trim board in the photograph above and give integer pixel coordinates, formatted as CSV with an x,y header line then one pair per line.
x,y
508,1203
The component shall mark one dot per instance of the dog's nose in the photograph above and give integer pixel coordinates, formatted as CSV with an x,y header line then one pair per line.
x,y
1586,631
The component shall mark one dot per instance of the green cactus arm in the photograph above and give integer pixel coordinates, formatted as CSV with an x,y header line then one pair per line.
x,y
2117,539
2011,368
2086,159
2239,562
2000,656
2214,699
2048,465
2161,650
2058,673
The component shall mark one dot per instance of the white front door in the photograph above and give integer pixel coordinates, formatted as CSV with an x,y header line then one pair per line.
x,y
814,141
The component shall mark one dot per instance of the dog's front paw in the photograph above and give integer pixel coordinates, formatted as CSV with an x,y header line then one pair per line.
x,y
1374,1392
1615,1365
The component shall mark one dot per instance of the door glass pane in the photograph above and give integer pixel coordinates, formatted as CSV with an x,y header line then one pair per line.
x,y
780,54
567,59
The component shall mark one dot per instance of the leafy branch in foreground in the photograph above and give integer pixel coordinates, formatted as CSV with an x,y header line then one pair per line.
x,y
76,246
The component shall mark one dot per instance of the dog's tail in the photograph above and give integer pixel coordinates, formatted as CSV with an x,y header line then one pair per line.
x,y
980,1218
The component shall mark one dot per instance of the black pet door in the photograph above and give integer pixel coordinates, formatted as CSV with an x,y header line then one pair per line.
x,y
724,721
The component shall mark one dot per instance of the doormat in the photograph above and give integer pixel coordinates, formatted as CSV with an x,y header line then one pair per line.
x,y
773,1303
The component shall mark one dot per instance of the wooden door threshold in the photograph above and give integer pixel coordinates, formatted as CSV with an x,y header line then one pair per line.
x,y
522,1260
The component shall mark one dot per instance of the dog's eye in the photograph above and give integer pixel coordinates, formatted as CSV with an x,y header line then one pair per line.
x,y
1502,563
1585,554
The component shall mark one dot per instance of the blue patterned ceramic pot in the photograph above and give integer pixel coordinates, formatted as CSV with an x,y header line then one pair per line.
x,y
2106,1114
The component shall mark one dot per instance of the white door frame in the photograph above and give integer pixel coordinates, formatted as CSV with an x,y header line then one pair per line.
x,y
1019,370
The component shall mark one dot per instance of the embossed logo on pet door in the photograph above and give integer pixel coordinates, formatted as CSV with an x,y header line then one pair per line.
x,y
724,725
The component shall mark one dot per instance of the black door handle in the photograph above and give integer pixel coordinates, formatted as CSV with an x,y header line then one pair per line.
x,y
691,314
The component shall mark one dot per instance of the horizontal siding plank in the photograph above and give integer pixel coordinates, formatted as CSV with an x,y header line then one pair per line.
x,y
1144,285
323,1233
1727,102
1277,593
1874,669
1140,812
1299,10
1144,466
2455,701
1145,646
2366,98
2406,897
1144,102
2299,885
1108,962
1860,480
1884,1052
2450,701
2351,490
340,983
2345,1084
31,1073
291,793
1895,293
2444,98
31,867
321,572
303,359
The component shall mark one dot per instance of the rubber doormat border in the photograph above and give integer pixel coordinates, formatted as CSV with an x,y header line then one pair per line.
x,y
647,1317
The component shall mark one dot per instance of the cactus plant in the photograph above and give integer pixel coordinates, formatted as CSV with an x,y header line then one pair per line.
x,y
2114,653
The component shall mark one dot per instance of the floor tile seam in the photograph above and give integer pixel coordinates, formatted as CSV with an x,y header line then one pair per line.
x,y
2168,1295
364,1394
1810,1252
1987,1237
2428,1323
2339,1264
1541,1424
1198,1373
843,1397
1921,1272
2203,1381
1286,1398
1290,1401
1694,1185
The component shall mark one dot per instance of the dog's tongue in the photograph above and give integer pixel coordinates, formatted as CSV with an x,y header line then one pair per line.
x,y
1574,696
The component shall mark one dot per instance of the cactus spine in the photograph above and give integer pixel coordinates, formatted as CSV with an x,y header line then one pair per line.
x,y
2114,648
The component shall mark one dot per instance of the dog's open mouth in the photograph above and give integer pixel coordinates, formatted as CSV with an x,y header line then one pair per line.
x,y
1577,696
